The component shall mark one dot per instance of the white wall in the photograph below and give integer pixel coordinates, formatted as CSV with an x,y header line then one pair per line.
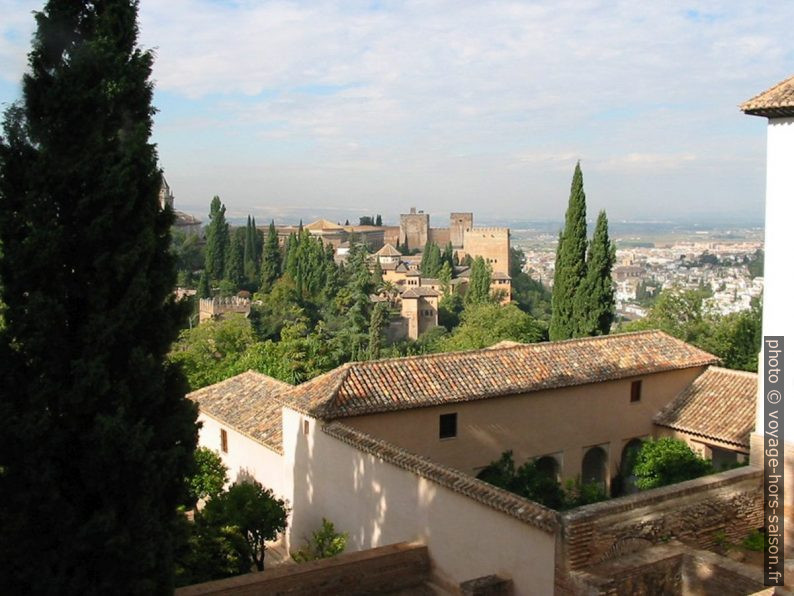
x,y
378,503
779,251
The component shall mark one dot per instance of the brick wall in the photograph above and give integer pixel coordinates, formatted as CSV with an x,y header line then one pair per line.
x,y
697,513
378,570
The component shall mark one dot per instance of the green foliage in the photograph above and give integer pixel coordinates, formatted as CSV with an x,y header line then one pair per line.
x,y
735,338
579,495
209,352
479,290
253,511
188,253
431,260
529,295
325,542
483,325
270,268
209,476
234,259
754,541
527,481
96,437
204,286
570,265
209,552
594,302
217,240
755,264
377,327
667,461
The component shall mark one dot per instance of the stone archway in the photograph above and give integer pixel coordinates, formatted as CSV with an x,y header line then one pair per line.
x,y
548,466
628,482
594,467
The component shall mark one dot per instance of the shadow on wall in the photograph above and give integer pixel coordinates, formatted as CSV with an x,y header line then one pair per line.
x,y
375,502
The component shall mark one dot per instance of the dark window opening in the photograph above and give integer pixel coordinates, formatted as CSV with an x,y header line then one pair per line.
x,y
636,390
447,426
224,442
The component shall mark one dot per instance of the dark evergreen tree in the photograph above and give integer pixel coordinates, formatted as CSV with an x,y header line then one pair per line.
x,y
217,240
448,256
204,290
379,220
377,326
594,305
96,436
234,258
250,272
570,265
479,290
270,269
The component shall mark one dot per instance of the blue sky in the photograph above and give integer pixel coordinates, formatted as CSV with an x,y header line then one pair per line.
x,y
368,107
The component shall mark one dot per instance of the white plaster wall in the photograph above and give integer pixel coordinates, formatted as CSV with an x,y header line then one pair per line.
x,y
378,503
246,457
779,254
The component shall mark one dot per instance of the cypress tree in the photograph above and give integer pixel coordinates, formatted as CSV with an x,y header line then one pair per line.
x,y
594,306
479,290
234,257
270,270
204,286
377,325
217,240
378,220
570,264
96,436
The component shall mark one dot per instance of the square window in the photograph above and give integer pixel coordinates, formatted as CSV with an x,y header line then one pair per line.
x,y
448,426
636,390
224,441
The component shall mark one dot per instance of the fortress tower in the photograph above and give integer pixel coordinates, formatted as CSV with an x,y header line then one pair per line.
x,y
414,229
458,224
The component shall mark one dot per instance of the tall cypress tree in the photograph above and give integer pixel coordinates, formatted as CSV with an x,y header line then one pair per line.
x,y
217,240
570,264
594,305
479,290
270,270
95,433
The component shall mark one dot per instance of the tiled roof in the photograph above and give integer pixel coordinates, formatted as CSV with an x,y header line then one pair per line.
x,y
323,224
246,403
388,251
522,509
420,292
719,404
776,102
500,275
403,383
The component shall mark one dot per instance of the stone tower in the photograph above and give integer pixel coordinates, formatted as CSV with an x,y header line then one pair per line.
x,y
458,224
414,229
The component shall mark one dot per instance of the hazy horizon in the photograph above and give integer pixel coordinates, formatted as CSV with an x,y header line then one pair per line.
x,y
374,107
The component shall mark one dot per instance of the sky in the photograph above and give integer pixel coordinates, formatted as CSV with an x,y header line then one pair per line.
x,y
355,108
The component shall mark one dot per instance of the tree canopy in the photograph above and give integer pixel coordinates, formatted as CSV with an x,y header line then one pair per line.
x,y
96,437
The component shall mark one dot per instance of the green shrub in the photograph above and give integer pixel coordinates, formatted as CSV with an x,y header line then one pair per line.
x,y
667,461
325,542
754,541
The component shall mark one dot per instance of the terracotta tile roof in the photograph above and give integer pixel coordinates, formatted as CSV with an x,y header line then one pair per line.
x,y
522,509
420,292
388,251
323,224
246,403
403,383
500,275
775,102
719,404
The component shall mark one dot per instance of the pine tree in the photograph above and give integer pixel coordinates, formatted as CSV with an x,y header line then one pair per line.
x,y
96,436
570,264
217,240
594,305
378,220
479,290
270,269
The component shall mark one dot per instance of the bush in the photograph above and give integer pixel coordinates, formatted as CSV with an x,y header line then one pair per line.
x,y
209,477
754,541
325,542
527,481
667,461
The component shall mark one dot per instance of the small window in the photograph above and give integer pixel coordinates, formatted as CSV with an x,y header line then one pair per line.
x,y
224,441
447,426
636,390
305,427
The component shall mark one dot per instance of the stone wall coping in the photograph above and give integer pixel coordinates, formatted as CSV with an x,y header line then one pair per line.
x,y
656,495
